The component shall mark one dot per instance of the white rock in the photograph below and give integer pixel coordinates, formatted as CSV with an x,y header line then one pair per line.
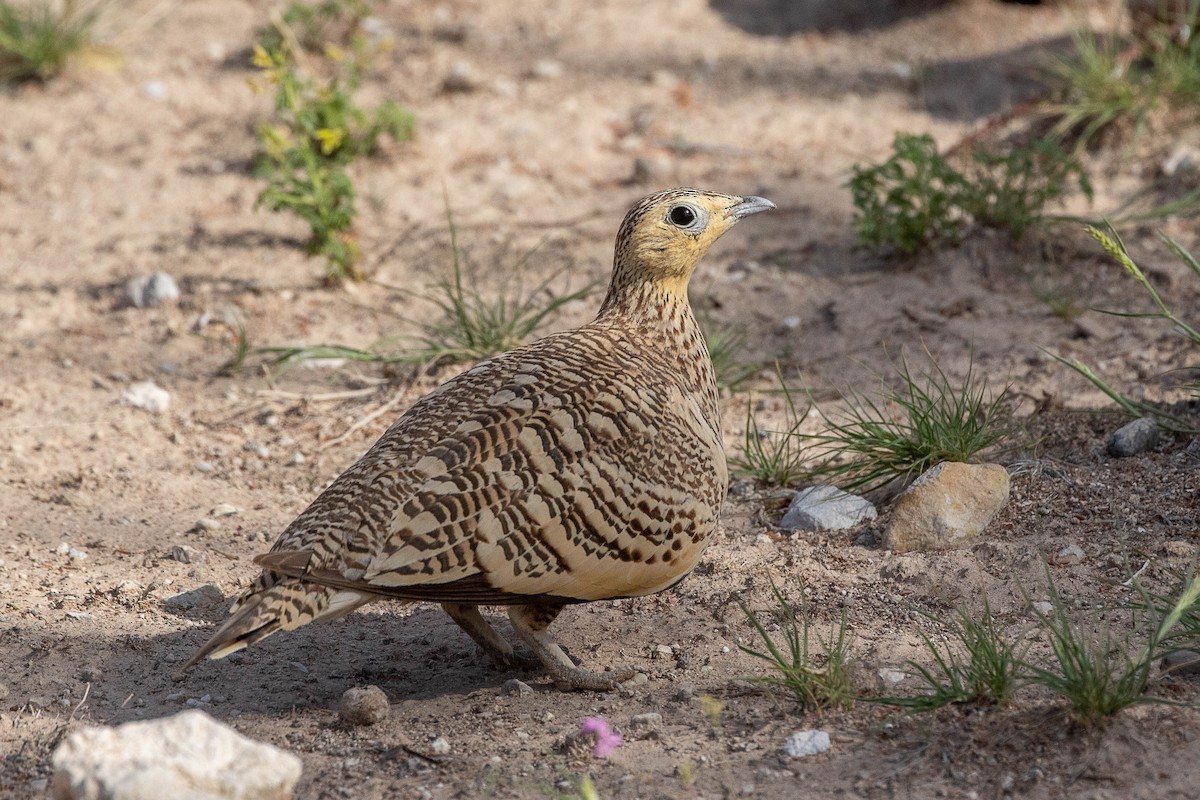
x,y
1070,555
1043,607
151,290
826,508
155,90
439,746
224,510
546,69
891,676
189,755
147,396
460,78
806,743
947,507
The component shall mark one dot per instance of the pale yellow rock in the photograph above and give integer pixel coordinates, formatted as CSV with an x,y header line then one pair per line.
x,y
947,507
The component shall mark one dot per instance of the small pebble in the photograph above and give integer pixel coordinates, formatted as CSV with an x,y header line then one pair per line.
x,y
650,719
185,554
147,396
200,597
364,705
439,746
461,78
206,524
1070,555
297,457
224,510
151,290
202,466
806,743
1043,607
515,687
1136,437
546,69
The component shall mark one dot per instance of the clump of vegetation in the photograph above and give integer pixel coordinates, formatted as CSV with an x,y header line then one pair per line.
x,y
982,664
1100,676
773,457
1105,85
910,201
914,428
816,678
317,131
918,199
38,39
1115,247
1097,674
473,325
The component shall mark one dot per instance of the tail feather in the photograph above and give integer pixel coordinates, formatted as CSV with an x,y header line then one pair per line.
x,y
281,606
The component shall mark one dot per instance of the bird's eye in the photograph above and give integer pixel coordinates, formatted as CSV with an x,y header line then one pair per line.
x,y
682,216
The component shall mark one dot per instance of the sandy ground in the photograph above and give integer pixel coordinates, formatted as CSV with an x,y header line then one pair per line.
x,y
110,174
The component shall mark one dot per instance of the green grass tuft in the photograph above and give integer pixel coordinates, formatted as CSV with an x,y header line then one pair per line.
x,y
816,678
775,458
914,428
38,39
981,665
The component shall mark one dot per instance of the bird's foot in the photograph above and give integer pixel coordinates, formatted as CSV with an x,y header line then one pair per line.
x,y
516,659
573,679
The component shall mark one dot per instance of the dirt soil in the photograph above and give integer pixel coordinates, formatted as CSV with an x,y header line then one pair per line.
x,y
579,108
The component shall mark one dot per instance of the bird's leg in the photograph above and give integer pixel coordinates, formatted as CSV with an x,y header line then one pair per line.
x,y
498,650
530,623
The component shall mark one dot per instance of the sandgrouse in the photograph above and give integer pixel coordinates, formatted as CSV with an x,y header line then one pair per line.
x,y
585,466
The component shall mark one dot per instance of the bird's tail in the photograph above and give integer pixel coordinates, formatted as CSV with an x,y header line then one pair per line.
x,y
276,603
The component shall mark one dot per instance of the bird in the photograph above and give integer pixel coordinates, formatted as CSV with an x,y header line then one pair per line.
x,y
587,465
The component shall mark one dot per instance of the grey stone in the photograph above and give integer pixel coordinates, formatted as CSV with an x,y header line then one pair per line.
x,y
1136,437
1070,555
460,78
806,743
651,719
826,508
149,291
201,597
516,687
364,705
1184,662
188,755
947,507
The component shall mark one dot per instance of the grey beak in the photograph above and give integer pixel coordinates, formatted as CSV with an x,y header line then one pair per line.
x,y
749,205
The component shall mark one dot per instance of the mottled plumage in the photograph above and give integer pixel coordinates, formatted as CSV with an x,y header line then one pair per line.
x,y
585,466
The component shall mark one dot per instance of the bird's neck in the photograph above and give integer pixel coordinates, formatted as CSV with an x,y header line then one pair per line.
x,y
661,318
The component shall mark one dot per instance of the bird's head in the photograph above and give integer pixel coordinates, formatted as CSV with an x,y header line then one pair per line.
x,y
665,235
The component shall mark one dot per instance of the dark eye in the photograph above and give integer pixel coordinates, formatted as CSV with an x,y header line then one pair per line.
x,y
683,216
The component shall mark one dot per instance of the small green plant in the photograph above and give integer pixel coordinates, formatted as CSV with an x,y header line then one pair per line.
x,y
775,458
38,38
1115,247
1103,85
473,327
910,201
1009,191
1097,675
476,326
981,665
796,670
938,420
318,131
918,199
316,25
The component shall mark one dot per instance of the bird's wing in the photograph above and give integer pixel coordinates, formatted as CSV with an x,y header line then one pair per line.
x,y
582,481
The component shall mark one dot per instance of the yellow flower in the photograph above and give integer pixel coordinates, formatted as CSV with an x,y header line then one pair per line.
x,y
334,53
330,139
262,58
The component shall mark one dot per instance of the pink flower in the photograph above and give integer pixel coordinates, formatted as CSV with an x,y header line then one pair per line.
x,y
605,739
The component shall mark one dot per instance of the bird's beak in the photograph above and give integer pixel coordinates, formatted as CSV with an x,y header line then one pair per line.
x,y
747,206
